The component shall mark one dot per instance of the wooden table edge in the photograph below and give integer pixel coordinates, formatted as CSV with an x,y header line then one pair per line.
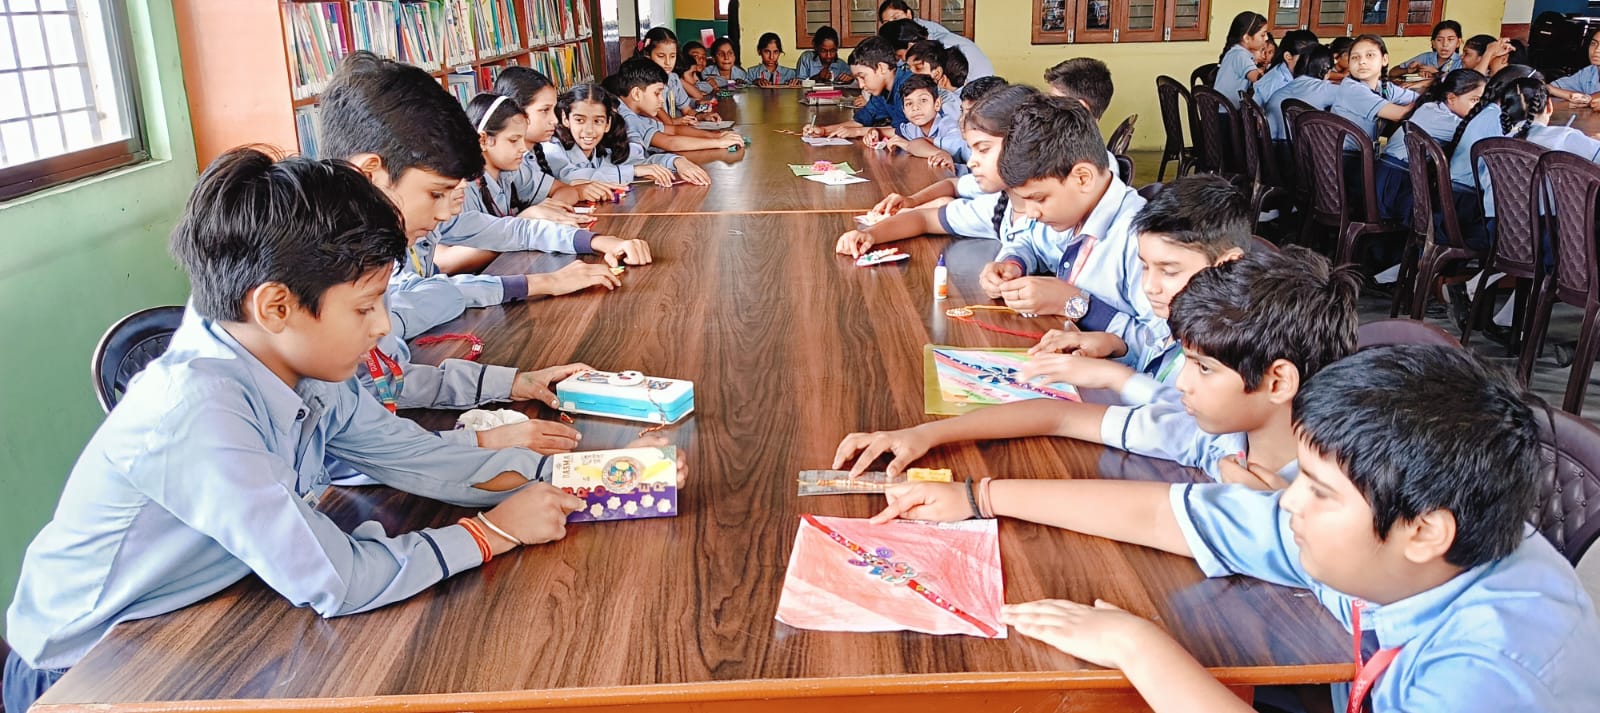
x,y
710,691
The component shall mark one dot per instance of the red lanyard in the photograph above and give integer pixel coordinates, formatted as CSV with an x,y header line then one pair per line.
x,y
388,386
474,348
1370,670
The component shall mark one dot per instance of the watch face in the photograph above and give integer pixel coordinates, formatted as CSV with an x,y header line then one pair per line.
x,y
1077,307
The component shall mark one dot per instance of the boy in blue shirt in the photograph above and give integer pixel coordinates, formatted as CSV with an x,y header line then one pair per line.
x,y
641,86
875,67
927,132
210,468
1419,469
1252,329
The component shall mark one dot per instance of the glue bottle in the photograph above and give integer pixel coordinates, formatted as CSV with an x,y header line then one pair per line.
x,y
941,280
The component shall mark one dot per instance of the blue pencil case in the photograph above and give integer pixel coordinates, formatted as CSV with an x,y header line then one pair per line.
x,y
628,395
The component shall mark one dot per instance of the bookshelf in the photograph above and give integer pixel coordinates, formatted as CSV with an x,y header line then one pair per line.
x,y
235,53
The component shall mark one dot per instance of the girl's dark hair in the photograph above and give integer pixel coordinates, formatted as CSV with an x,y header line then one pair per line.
x,y
1341,45
1446,25
690,45
655,37
522,84
993,115
1478,43
615,142
1493,92
1457,82
900,5
684,61
1383,74
479,106
823,34
1523,101
711,54
1316,62
1295,42
1244,23
769,37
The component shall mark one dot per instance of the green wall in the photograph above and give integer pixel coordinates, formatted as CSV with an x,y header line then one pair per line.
x,y
75,259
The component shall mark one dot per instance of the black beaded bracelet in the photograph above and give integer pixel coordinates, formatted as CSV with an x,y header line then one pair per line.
x,y
972,499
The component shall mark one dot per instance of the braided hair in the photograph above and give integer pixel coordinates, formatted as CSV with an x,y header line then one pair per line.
x,y
993,115
1456,83
1524,101
1493,92
615,143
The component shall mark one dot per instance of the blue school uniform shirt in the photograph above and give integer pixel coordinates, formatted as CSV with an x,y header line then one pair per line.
x,y
641,129
779,75
889,109
735,74
1431,59
1276,78
1482,126
1315,91
677,98
1360,104
531,182
207,471
1516,634
1586,80
1151,421
485,222
944,133
809,67
978,64
1435,118
950,106
1233,73
570,164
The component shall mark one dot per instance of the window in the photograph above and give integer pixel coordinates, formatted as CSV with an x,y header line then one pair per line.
x,y
721,12
857,20
67,94
1086,21
1341,18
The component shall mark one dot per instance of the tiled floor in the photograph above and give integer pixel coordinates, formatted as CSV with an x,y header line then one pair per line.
x,y
1549,380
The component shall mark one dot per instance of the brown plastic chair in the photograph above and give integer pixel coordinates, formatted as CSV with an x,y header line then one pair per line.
x,y
1570,187
1214,141
1386,332
1168,92
1322,137
1568,513
1204,75
1299,176
1124,168
1261,175
1436,237
1518,252
1122,136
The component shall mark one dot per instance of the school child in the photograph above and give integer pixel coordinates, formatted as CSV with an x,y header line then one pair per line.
x,y
1525,114
769,73
1253,330
213,462
533,182
874,65
1236,67
821,63
1439,61
927,132
1281,70
1419,466
980,208
964,186
1341,58
691,67
592,143
929,59
639,84
724,71
1309,85
1486,54
1268,53
978,64
1475,210
1085,80
1438,112
487,223
1580,87
1194,223
1367,95
677,107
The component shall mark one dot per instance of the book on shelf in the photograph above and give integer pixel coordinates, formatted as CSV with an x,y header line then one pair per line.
x,y
421,34
315,42
557,21
495,22
457,29
565,65
305,127
463,86
372,27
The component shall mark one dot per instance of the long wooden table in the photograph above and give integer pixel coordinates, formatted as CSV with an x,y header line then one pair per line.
x,y
790,347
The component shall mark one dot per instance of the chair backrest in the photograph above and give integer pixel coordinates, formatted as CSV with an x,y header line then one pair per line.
x,y
1149,190
1292,110
1300,176
127,347
1168,91
1568,513
1571,187
1432,200
1323,136
1122,136
1260,160
1386,332
1213,140
1204,75
1511,163
1124,168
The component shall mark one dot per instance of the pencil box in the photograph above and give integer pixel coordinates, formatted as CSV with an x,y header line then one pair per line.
x,y
627,395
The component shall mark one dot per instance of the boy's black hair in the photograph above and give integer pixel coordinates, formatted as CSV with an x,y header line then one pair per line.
x,y
977,89
303,223
1269,305
399,112
901,34
955,66
636,73
1049,137
615,142
872,52
1316,62
1202,212
1083,79
928,51
1425,428
502,114
919,82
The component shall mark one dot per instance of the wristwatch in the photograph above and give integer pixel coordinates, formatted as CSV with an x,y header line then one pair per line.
x,y
1076,307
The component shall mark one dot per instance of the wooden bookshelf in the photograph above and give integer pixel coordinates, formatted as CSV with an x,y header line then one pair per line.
x,y
244,62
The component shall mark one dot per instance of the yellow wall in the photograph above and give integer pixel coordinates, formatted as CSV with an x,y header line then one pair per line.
x,y
1003,31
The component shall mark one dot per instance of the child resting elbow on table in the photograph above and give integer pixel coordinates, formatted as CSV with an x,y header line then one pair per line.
x,y
927,132
640,85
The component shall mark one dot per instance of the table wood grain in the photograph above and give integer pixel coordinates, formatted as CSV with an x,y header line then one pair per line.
x,y
1584,119
790,347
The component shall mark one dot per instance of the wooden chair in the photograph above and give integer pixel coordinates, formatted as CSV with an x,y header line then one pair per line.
x,y
1570,188
1261,175
1386,332
1215,148
1322,137
1436,237
1518,252
1122,136
1568,513
1204,75
128,347
1168,92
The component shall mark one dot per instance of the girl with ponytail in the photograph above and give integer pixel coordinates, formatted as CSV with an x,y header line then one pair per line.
x,y
533,92
1367,95
1439,113
1236,66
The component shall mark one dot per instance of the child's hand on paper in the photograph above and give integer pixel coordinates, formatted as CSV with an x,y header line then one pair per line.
x,y
996,274
691,172
1080,371
854,243
1102,634
536,385
535,514
906,444
540,436
1072,341
929,502
660,175
891,204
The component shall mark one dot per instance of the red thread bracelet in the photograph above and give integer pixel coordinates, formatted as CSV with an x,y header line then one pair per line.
x,y
474,349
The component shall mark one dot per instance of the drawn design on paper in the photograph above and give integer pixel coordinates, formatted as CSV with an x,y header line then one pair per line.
x,y
988,377
879,563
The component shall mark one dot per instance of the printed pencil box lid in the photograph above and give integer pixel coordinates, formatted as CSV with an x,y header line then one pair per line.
x,y
627,395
